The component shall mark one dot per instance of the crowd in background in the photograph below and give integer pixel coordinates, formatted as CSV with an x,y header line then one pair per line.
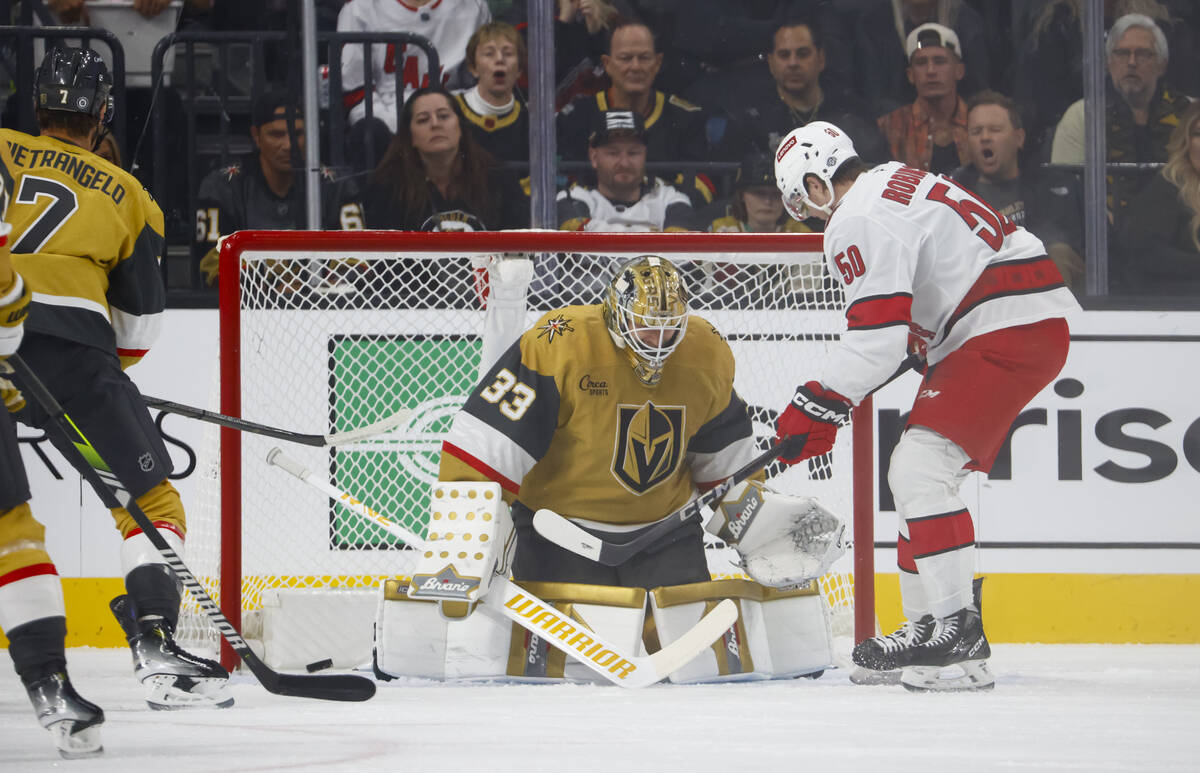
x,y
650,93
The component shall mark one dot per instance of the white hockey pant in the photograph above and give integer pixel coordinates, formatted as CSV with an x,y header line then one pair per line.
x,y
925,476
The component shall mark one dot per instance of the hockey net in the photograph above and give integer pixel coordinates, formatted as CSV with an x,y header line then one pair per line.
x,y
328,332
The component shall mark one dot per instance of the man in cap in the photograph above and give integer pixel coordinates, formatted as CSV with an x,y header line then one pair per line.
x,y
261,191
623,199
930,133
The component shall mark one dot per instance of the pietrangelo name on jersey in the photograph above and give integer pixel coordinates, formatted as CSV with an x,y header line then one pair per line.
x,y
81,171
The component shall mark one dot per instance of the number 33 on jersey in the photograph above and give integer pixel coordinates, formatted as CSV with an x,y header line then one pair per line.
x,y
87,237
907,245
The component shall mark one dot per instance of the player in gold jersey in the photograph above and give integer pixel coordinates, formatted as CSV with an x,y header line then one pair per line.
x,y
585,415
32,612
86,238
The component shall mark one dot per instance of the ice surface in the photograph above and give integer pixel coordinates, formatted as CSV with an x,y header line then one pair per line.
x,y
1055,708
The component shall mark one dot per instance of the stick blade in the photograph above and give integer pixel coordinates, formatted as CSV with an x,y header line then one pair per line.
x,y
683,650
325,687
567,535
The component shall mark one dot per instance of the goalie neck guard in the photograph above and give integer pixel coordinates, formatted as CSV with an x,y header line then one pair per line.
x,y
646,310
74,80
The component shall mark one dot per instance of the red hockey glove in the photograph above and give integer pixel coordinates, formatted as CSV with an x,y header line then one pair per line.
x,y
816,412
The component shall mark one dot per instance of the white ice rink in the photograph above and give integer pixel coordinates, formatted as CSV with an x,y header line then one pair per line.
x,y
1055,708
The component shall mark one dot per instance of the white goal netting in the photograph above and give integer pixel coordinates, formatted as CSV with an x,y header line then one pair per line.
x,y
327,332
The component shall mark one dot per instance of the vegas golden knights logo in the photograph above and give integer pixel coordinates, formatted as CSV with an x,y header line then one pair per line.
x,y
649,445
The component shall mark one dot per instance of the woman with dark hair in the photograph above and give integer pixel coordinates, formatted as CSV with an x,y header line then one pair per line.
x,y
436,177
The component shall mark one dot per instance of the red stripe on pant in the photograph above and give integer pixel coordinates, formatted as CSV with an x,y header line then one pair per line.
x,y
941,533
904,555
26,572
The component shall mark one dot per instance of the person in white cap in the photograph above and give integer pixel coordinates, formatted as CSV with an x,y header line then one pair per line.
x,y
931,132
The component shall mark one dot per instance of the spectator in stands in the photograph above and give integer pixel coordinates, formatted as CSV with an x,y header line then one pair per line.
x,y
1045,203
755,205
581,32
711,43
1141,109
930,133
262,191
623,199
881,47
1053,43
436,177
495,115
448,24
757,208
674,127
1161,233
796,60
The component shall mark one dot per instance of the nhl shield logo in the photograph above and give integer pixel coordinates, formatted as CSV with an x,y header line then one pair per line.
x,y
649,445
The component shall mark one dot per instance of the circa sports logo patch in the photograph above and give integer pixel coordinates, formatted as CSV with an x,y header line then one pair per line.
x,y
649,444
557,326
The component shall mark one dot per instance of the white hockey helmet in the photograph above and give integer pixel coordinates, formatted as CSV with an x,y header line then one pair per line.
x,y
646,310
818,148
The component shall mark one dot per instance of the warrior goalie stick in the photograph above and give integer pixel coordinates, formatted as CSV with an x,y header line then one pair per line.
x,y
333,687
528,611
574,538
233,422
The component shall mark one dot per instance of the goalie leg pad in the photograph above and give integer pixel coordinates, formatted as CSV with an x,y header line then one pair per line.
x,y
413,639
782,539
778,633
470,538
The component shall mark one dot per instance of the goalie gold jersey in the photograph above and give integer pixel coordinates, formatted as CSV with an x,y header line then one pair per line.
x,y
561,421
87,238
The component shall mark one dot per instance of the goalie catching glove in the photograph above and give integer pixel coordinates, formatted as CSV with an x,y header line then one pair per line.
x,y
781,539
816,412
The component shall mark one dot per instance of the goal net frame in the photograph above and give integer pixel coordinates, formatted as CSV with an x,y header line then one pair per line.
x,y
320,250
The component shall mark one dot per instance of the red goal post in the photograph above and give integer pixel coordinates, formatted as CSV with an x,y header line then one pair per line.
x,y
328,331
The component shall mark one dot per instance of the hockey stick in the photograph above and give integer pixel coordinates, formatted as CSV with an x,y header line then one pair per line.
x,y
233,422
564,533
333,687
528,611
574,538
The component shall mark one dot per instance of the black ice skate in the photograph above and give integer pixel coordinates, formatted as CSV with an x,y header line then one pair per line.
x,y
886,653
958,641
174,678
73,721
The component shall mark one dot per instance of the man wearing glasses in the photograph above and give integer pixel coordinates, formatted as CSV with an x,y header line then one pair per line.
x,y
1141,109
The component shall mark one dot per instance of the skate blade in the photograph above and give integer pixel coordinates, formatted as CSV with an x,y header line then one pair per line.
x,y
968,676
170,692
76,745
866,676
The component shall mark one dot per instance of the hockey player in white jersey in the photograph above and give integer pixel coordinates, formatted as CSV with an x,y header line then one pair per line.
x,y
928,267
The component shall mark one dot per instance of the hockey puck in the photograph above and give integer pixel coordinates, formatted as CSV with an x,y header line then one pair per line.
x,y
319,665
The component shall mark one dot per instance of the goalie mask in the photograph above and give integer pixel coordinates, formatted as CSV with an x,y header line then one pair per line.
x,y
819,149
646,311
74,80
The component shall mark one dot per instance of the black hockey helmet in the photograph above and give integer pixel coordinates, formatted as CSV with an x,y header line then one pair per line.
x,y
74,80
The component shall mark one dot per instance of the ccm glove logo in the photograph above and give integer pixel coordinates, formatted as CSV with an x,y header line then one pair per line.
x,y
828,410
